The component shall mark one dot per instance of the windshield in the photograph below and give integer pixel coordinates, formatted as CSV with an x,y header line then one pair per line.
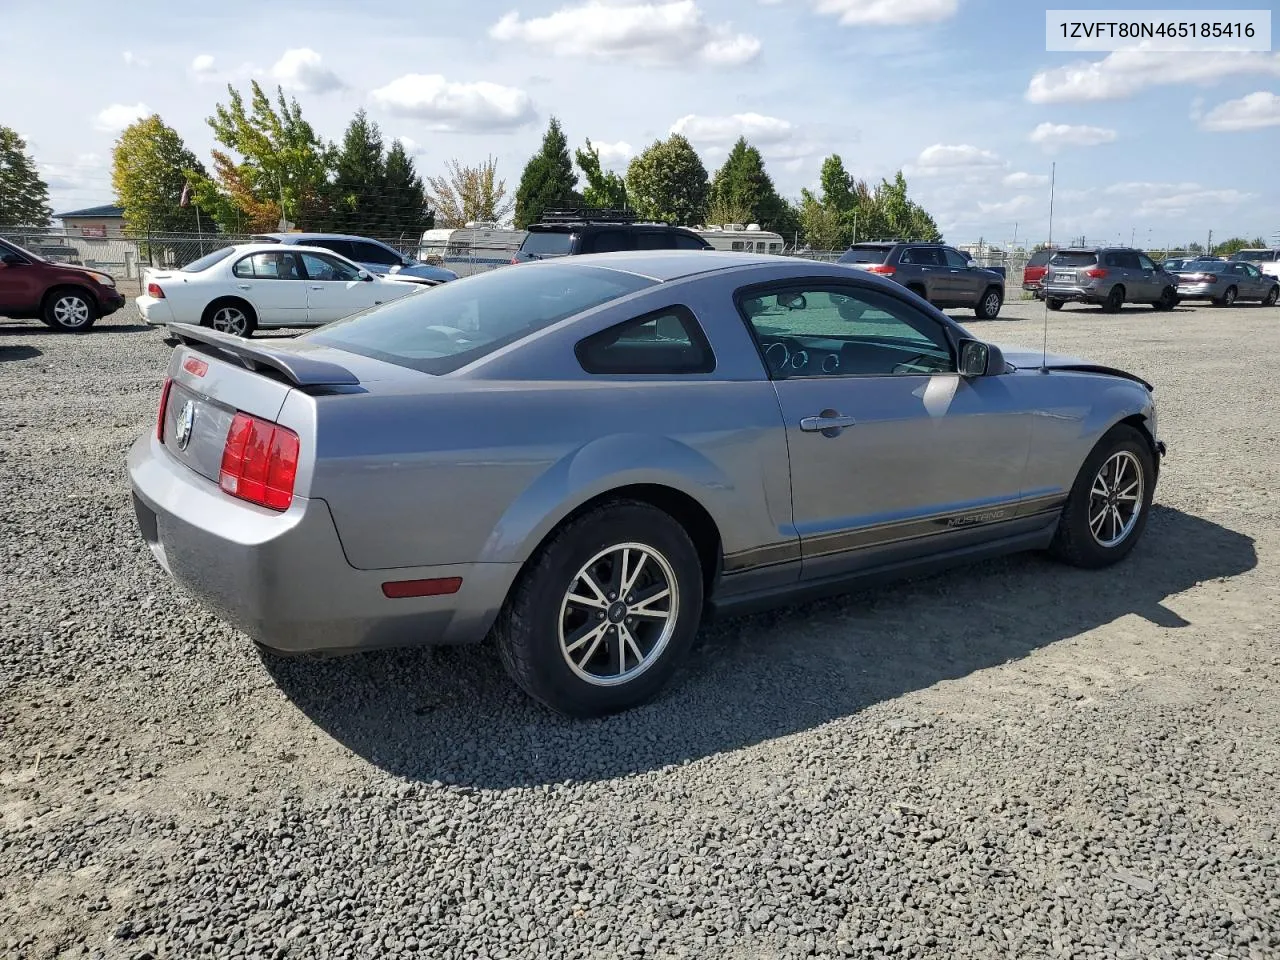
x,y
446,327
1254,256
208,260
865,255
1074,259
1205,266
547,243
22,250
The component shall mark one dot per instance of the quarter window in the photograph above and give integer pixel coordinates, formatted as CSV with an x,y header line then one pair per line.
x,y
268,266
1145,262
824,329
667,341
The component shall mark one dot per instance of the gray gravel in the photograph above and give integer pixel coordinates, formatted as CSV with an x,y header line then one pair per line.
x,y
1014,760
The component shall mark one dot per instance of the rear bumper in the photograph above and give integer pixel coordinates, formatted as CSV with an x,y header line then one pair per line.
x,y
154,311
1073,294
283,579
1198,291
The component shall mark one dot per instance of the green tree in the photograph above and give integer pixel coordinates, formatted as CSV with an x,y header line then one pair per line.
x,y
1194,248
24,196
282,170
150,169
548,178
466,194
743,188
1234,244
405,198
667,182
357,195
822,223
604,187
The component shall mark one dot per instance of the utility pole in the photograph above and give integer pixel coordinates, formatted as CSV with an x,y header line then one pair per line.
x,y
1208,247
1132,232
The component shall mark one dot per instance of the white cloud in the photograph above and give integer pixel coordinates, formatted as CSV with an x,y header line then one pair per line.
x,y
1009,208
1157,199
302,69
1052,136
723,131
1021,180
943,159
613,155
116,117
202,65
87,171
412,147
131,59
1251,112
1126,72
887,13
455,107
671,33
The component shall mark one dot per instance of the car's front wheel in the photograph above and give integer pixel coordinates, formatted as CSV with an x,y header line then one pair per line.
x,y
1107,509
604,612
69,310
988,307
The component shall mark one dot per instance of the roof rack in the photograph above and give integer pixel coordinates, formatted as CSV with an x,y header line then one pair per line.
x,y
587,215
936,243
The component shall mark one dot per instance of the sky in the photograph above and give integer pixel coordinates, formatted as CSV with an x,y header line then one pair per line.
x,y
1156,148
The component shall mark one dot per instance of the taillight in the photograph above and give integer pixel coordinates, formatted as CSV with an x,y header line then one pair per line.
x,y
883,269
1097,273
259,462
154,290
515,260
1200,278
164,402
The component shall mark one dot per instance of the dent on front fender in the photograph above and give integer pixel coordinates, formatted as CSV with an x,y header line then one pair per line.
x,y
599,467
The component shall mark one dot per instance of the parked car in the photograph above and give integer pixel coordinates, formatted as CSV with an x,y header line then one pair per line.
x,y
249,286
583,456
570,233
1033,272
940,274
1267,261
374,255
1224,283
66,298
1109,276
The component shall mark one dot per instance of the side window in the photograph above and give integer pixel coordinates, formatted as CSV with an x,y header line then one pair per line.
x,y
341,247
737,245
1145,262
268,266
1112,260
364,252
607,241
955,260
775,248
655,240
686,242
1252,271
824,329
667,341
320,267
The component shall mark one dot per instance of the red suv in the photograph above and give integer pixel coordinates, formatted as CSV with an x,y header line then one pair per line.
x,y
65,297
1033,273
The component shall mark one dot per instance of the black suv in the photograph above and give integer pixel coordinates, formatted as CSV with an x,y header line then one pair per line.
x,y
942,275
566,233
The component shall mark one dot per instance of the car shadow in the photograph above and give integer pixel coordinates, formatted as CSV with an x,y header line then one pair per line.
x,y
40,329
22,351
452,715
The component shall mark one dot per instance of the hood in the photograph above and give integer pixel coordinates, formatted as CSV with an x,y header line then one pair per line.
x,y
1024,359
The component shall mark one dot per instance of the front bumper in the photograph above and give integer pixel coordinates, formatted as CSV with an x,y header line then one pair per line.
x,y
109,301
154,311
283,579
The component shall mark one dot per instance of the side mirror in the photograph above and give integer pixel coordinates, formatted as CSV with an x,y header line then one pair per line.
x,y
365,275
978,359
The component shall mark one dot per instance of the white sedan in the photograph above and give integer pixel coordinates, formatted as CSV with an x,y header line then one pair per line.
x,y
241,288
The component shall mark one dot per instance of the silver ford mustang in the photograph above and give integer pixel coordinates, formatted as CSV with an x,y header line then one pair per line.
x,y
585,457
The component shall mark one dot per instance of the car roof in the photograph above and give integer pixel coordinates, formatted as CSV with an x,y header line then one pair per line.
x,y
661,265
297,238
567,225
275,248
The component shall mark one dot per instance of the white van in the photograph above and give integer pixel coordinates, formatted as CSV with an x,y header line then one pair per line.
x,y
748,239
477,247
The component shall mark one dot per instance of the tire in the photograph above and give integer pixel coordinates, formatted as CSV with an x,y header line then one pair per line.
x,y
988,307
1114,301
536,628
69,310
1053,303
1075,542
1272,297
1228,297
1168,300
230,315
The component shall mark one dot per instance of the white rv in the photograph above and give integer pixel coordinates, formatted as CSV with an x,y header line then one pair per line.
x,y
735,236
477,247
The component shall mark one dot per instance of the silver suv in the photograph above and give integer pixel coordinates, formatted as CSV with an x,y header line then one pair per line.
x,y
1110,276
942,275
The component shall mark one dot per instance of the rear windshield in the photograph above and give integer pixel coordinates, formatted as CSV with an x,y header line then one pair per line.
x,y
1205,266
1255,256
1039,258
208,260
441,329
1074,259
865,255
547,243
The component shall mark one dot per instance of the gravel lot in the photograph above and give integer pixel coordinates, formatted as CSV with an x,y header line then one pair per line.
x,y
1014,760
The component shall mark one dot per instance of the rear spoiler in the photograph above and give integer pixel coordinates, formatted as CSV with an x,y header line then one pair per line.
x,y
297,368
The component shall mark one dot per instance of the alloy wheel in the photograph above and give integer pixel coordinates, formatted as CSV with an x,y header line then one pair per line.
x,y
71,311
230,320
1115,499
618,614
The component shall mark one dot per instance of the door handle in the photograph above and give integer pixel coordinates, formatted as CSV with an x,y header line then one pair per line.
x,y
243,286
828,423
317,287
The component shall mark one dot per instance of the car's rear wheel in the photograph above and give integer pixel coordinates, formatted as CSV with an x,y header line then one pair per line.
x,y
1228,297
1107,509
988,307
1272,296
604,612
1053,303
69,310
1168,299
230,316
1115,300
